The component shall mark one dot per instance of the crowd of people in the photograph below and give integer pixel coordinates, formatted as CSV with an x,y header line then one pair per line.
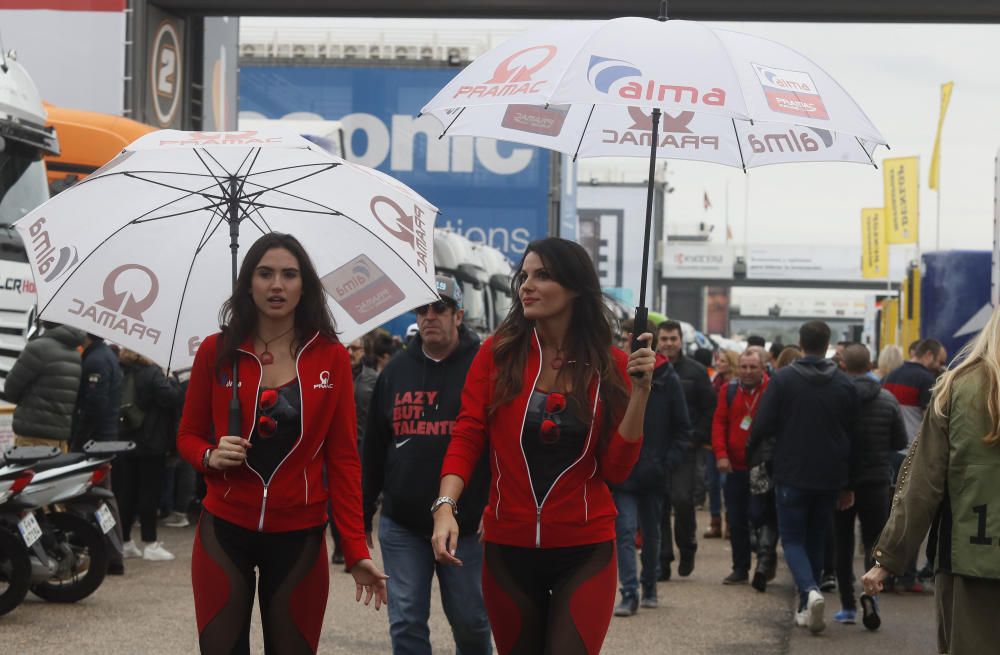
x,y
532,473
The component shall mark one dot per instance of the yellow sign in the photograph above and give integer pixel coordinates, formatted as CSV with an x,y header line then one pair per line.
x,y
874,245
936,157
902,198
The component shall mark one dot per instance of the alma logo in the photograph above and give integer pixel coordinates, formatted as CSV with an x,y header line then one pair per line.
x,y
791,92
122,311
514,75
604,74
49,263
411,230
798,139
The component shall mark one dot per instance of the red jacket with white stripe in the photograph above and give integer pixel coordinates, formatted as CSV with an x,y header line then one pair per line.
x,y
295,498
579,508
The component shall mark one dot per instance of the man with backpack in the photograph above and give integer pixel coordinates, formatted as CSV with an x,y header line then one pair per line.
x,y
735,412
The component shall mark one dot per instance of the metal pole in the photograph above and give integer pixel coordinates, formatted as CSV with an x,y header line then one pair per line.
x,y
641,311
234,245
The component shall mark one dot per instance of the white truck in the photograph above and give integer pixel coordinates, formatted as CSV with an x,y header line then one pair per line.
x,y
23,186
484,273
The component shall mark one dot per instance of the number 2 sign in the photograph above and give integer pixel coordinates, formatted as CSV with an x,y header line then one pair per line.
x,y
165,73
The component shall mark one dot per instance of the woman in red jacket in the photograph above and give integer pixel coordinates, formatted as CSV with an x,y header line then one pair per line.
x,y
265,508
552,398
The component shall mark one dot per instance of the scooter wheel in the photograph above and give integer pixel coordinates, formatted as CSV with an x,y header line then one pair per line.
x,y
15,571
82,557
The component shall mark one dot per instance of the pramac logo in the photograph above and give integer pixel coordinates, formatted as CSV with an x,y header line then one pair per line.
x,y
324,381
515,75
122,311
411,230
244,138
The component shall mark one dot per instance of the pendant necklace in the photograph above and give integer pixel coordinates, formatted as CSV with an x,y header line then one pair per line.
x,y
266,357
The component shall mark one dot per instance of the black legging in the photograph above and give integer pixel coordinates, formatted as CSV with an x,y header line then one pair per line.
x,y
137,483
293,584
871,507
549,600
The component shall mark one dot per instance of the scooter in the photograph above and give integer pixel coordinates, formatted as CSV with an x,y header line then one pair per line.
x,y
77,528
18,533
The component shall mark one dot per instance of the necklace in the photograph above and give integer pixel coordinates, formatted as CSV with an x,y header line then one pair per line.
x,y
266,357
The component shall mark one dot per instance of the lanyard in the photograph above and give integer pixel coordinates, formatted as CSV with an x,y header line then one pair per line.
x,y
750,406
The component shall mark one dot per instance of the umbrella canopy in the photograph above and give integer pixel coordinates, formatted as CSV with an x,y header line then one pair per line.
x,y
140,251
589,89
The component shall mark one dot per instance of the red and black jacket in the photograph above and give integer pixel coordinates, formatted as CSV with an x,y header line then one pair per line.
x,y
295,498
578,508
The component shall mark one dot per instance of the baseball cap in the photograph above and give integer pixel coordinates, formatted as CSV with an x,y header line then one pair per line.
x,y
447,287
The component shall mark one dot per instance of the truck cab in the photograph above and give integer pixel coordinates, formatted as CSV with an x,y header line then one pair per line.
x,y
454,255
24,139
498,291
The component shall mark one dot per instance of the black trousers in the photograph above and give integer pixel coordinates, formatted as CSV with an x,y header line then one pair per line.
x,y
138,483
871,507
680,499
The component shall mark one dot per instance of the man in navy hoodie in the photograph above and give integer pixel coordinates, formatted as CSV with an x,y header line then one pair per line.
x,y
414,405
809,413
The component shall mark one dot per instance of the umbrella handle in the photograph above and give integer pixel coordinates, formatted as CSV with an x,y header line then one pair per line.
x,y
638,327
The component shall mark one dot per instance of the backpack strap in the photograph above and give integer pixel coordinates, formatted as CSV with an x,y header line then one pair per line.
x,y
731,390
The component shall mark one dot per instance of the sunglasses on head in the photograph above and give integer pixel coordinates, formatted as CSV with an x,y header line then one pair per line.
x,y
439,307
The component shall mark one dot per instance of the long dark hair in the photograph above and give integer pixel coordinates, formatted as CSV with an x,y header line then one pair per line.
x,y
238,316
588,342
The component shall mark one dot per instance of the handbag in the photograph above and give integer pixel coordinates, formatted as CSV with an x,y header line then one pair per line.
x,y
760,480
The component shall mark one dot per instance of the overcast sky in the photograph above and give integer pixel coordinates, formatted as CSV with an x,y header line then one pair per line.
x,y
895,73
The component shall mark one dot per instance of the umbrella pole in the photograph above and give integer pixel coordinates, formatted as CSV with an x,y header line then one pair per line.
x,y
234,246
642,312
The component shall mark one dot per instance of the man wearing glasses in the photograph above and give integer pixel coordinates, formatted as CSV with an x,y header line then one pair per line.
x,y
414,405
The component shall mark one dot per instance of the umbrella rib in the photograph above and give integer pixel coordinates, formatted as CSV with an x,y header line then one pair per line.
x,y
218,180
326,211
265,189
187,280
584,132
460,112
865,150
325,164
140,221
217,162
261,216
200,192
738,146
243,180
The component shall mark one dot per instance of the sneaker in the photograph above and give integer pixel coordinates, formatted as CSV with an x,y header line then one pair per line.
x,y
649,602
926,574
686,565
829,583
176,520
628,606
736,577
155,552
130,550
847,617
802,618
871,618
814,607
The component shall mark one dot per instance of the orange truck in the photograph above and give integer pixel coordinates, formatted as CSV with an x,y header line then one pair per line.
x,y
88,140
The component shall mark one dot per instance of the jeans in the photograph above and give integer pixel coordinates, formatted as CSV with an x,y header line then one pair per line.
x,y
803,521
642,511
738,518
871,507
680,497
713,483
410,565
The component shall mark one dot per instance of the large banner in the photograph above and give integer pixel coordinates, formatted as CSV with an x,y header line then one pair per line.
x,y
818,263
490,192
874,245
902,198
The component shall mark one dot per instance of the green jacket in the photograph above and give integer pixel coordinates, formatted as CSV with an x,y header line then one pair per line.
x,y
951,469
43,384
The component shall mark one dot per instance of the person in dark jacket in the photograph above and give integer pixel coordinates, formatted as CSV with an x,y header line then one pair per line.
x,y
639,500
881,431
100,394
43,383
414,405
809,413
138,479
98,402
700,398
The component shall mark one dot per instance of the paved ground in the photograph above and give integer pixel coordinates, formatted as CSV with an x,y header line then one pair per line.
x,y
149,610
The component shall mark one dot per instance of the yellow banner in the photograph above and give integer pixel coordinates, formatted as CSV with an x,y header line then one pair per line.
x,y
874,245
902,198
936,157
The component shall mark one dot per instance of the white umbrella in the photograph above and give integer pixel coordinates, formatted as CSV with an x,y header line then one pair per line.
x,y
144,251
600,88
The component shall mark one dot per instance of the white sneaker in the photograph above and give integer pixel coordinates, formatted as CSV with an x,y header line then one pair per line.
x,y
802,618
176,520
155,552
130,550
814,609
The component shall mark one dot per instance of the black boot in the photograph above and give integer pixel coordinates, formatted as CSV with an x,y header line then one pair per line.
x,y
767,559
